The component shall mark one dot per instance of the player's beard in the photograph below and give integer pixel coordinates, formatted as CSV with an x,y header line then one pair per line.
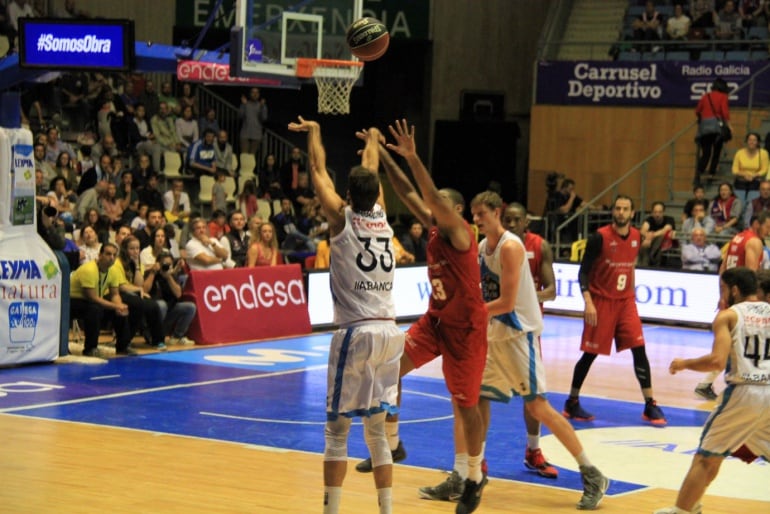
x,y
621,222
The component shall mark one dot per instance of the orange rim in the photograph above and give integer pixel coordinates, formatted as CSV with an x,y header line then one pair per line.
x,y
306,66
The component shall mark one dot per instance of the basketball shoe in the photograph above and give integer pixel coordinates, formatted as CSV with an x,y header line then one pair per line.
x,y
653,413
594,486
698,509
573,410
706,392
471,497
535,460
450,489
399,454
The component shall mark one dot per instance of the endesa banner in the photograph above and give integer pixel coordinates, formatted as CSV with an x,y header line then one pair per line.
x,y
214,73
660,295
246,304
660,83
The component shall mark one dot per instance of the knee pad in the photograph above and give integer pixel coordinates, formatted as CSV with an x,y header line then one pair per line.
x,y
336,438
377,440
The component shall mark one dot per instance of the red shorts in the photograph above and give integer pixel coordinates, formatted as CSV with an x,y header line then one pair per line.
x,y
464,352
616,319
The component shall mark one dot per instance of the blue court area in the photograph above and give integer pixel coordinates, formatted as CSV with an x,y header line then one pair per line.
x,y
272,394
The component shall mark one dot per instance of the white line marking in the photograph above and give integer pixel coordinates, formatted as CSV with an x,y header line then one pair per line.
x,y
104,377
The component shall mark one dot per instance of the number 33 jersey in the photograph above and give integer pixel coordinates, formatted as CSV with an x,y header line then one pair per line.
x,y
362,268
749,360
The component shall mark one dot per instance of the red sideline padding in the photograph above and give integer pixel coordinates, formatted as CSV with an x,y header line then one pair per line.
x,y
246,304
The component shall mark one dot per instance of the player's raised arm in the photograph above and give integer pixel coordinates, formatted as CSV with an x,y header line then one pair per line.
x,y
404,188
447,218
331,203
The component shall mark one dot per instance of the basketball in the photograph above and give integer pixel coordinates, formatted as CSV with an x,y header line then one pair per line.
x,y
368,39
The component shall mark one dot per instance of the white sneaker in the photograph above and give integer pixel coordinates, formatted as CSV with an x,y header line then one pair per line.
x,y
185,342
698,509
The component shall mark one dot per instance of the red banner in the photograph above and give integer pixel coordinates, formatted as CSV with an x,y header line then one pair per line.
x,y
247,304
213,73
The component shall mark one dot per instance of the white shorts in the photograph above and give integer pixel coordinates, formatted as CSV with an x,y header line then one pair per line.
x,y
742,417
514,364
364,364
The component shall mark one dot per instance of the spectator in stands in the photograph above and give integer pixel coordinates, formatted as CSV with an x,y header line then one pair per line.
x,y
41,186
314,222
89,244
150,194
148,256
253,114
102,172
698,220
727,24
140,220
290,170
236,241
712,107
726,210
678,26
128,196
749,12
270,179
223,153
699,197
187,128
247,199
565,202
167,95
303,194
165,131
154,222
65,200
143,311
648,26
161,283
85,161
750,166
70,10
415,242
142,138
263,249
209,121
112,207
176,203
188,99
47,168
94,295
656,234
149,98
74,89
57,146
702,13
49,224
129,99
401,255
107,146
219,193
203,253
759,204
201,158
218,224
121,233
698,255
141,172
89,200
322,254
290,237
65,168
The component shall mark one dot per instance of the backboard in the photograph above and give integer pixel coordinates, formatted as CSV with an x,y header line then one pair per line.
x,y
268,37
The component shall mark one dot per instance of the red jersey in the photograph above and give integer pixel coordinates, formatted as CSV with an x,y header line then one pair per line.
x,y
612,274
736,252
533,244
455,279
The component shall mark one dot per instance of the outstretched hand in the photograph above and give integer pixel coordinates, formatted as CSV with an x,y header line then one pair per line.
x,y
404,136
302,125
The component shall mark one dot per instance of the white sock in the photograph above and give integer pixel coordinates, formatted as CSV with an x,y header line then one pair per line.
x,y
461,465
582,459
474,468
391,430
385,500
332,499
533,441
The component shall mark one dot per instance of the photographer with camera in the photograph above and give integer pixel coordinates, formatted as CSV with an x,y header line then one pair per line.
x,y
48,225
161,284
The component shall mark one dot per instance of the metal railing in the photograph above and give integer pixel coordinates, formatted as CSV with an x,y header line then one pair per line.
x,y
642,167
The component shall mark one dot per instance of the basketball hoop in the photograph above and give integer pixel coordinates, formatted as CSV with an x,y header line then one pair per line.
x,y
334,80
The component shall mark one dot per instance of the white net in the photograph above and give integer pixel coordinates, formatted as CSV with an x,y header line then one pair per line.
x,y
334,83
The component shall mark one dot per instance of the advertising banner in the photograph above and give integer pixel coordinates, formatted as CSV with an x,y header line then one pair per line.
x,y
30,277
214,73
246,304
660,295
650,84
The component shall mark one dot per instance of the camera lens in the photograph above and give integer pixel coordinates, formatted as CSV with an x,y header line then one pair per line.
x,y
50,211
165,266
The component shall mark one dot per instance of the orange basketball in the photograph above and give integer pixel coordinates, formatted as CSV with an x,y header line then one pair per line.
x,y
368,39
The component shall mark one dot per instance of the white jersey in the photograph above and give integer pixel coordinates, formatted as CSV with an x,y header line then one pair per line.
x,y
749,360
362,266
526,315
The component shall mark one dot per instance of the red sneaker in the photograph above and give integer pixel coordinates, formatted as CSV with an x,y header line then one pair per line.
x,y
535,460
